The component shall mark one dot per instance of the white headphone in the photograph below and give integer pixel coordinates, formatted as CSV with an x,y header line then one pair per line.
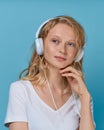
x,y
39,43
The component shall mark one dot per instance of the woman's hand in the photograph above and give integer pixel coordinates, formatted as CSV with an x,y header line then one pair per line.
x,y
75,79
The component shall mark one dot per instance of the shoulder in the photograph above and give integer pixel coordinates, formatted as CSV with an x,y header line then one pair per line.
x,y
19,86
19,82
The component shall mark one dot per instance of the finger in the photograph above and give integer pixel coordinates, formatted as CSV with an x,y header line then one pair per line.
x,y
71,75
71,69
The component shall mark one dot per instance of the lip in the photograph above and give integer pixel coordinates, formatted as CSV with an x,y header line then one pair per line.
x,y
59,58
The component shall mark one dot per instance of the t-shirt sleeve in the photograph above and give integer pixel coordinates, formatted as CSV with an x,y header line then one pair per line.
x,y
16,110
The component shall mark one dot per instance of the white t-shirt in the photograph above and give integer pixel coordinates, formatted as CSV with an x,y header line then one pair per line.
x,y
25,105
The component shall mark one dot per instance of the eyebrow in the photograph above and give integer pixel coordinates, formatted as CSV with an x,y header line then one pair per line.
x,y
71,39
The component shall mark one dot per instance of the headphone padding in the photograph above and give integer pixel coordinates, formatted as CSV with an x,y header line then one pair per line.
x,y
39,46
80,56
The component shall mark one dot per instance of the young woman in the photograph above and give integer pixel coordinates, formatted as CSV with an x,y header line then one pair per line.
x,y
52,95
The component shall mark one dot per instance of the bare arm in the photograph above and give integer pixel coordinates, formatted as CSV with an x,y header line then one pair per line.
x,y
86,121
75,79
18,126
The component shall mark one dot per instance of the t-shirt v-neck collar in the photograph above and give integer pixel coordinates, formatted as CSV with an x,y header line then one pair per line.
x,y
64,106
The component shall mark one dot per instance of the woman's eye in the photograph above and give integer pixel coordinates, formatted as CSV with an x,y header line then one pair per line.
x,y
71,44
55,41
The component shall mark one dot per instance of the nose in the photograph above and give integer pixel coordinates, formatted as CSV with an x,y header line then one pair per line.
x,y
62,48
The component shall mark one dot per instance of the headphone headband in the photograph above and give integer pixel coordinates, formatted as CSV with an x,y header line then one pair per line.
x,y
38,31
40,27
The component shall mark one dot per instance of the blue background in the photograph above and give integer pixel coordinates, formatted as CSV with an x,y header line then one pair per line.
x,y
19,21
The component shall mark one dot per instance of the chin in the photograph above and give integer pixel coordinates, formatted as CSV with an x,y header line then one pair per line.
x,y
64,66
60,65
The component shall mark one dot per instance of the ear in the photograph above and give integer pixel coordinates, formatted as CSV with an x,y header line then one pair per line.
x,y
39,46
79,55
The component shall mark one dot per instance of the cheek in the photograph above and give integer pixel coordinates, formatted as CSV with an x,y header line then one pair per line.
x,y
72,53
75,53
48,51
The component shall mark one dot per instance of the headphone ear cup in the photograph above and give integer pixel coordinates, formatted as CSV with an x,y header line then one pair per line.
x,y
39,46
79,55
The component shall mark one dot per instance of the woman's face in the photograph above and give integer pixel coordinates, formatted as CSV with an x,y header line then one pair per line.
x,y
60,47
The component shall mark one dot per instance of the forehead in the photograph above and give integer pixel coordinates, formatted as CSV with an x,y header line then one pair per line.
x,y
62,30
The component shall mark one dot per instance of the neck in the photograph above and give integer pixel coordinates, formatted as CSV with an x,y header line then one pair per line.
x,y
57,82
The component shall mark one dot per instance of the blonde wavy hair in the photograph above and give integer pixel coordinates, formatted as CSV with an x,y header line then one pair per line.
x,y
38,64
